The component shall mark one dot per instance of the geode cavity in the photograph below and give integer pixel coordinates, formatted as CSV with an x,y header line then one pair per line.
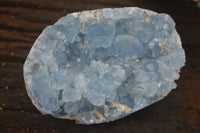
x,y
101,65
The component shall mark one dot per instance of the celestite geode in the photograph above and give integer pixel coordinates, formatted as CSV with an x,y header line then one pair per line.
x,y
101,65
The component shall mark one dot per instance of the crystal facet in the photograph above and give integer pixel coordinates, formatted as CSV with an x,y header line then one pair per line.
x,y
101,65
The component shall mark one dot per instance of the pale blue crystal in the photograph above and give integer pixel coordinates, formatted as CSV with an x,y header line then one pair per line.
x,y
101,65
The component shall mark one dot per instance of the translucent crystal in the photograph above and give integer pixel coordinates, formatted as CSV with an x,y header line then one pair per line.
x,y
101,65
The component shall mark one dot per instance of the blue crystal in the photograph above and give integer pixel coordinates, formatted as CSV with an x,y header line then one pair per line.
x,y
101,65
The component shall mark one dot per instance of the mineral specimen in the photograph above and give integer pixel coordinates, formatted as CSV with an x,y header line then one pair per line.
x,y
101,65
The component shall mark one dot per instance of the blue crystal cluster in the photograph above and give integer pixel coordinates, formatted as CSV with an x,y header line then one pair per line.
x,y
101,65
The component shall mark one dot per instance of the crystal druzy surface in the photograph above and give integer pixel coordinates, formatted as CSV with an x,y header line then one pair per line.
x,y
101,65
